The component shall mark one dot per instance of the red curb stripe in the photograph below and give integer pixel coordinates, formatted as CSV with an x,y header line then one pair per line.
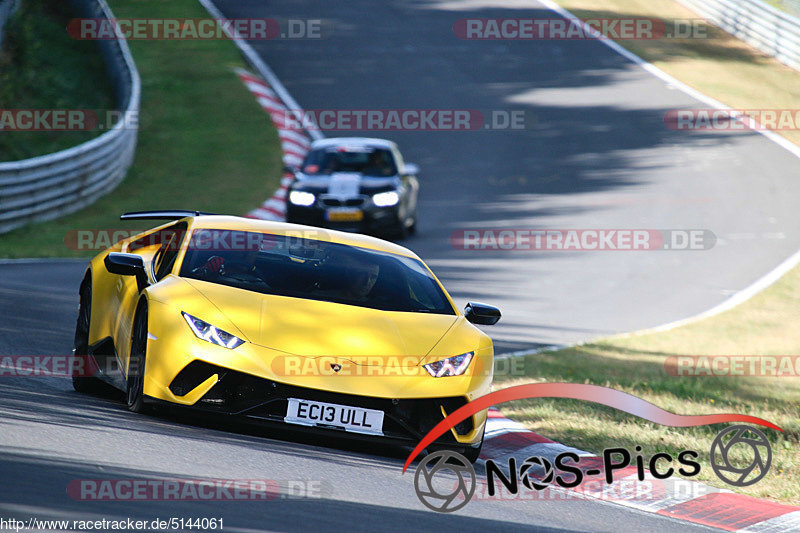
x,y
294,144
271,210
294,137
253,79
267,94
727,511
301,155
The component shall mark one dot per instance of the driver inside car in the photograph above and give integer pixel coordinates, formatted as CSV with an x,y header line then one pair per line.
x,y
241,261
361,279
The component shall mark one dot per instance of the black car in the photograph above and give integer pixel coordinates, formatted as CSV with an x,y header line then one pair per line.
x,y
355,184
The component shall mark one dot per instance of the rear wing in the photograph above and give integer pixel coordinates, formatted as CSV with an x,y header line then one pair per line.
x,y
162,215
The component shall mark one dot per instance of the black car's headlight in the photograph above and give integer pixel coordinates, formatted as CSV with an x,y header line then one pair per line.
x,y
205,331
302,198
452,366
386,199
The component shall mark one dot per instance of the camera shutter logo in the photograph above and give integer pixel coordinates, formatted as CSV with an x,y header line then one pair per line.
x,y
458,492
530,480
725,465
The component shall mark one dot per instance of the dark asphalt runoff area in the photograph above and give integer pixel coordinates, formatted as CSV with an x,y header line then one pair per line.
x,y
595,155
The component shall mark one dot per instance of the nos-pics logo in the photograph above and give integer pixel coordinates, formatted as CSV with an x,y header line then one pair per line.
x,y
445,481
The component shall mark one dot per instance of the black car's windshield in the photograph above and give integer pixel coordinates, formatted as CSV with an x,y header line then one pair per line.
x,y
313,270
369,161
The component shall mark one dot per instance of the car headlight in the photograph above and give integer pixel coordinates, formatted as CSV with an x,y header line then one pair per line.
x,y
452,366
385,199
301,198
207,332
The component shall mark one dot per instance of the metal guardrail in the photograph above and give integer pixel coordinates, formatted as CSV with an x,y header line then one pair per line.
x,y
7,8
49,186
772,31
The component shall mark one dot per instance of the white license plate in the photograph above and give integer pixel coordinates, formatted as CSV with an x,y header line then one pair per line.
x,y
354,419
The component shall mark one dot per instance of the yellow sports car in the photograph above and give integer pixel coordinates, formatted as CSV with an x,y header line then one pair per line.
x,y
280,323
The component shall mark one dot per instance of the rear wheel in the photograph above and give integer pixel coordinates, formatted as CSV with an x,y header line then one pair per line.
x,y
82,382
136,363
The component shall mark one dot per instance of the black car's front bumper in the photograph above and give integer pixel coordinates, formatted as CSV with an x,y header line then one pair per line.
x,y
374,220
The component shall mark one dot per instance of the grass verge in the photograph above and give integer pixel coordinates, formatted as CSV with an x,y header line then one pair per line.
x,y
41,67
204,142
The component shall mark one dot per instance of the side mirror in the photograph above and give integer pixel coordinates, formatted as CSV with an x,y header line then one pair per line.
x,y
410,169
482,314
127,265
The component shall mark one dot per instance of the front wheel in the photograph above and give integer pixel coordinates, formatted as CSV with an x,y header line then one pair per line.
x,y
472,453
136,363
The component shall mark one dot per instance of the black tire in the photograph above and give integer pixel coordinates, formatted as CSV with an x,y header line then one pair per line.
x,y
400,231
412,229
138,356
472,453
80,381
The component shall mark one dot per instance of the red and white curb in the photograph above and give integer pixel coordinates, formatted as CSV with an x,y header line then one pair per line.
x,y
674,497
294,143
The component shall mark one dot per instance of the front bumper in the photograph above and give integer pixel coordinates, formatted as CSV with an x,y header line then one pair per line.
x,y
260,400
375,220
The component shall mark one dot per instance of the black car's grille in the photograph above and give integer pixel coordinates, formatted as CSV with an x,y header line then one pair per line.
x,y
337,202
237,393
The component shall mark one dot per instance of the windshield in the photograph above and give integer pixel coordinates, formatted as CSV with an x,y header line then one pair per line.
x,y
369,161
313,270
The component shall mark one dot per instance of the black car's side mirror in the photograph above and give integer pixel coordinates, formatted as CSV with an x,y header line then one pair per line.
x,y
127,265
482,314
410,169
